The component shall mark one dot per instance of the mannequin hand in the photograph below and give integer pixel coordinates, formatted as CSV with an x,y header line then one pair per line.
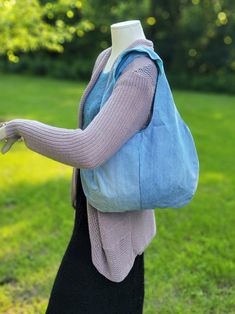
x,y
9,141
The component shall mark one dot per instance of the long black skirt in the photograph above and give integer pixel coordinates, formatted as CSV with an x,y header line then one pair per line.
x,y
79,287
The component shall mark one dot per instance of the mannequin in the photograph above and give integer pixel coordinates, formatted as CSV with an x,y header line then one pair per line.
x,y
123,34
130,289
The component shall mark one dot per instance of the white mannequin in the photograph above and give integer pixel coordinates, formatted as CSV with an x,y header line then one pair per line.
x,y
122,35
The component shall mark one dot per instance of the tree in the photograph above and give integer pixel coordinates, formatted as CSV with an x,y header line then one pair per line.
x,y
27,25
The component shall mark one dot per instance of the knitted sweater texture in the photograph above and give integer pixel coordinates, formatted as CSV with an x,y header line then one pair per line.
x,y
116,238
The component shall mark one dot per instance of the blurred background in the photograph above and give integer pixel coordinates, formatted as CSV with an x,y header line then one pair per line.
x,y
62,38
47,52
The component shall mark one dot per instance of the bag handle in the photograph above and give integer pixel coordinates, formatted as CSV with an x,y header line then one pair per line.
x,y
128,58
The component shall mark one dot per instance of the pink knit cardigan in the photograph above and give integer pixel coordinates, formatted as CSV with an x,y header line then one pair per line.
x,y
116,238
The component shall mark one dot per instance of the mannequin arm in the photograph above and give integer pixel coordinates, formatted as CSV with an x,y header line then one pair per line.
x,y
125,112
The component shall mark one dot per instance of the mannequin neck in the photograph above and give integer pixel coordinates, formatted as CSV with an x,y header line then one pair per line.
x,y
123,34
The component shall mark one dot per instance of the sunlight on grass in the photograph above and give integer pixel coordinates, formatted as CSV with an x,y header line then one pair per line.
x,y
28,166
7,232
212,177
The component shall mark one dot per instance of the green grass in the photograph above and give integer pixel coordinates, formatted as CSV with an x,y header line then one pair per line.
x,y
190,264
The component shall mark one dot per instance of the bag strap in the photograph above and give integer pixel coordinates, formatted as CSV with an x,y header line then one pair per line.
x,y
129,57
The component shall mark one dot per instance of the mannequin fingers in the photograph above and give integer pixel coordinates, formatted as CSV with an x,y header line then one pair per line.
x,y
8,144
6,147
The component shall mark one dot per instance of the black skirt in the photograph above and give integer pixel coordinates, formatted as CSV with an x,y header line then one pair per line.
x,y
79,287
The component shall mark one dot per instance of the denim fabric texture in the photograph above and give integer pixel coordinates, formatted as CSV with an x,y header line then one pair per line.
x,y
94,99
158,167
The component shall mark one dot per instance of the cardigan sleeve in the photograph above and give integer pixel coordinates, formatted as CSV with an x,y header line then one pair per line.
x,y
125,112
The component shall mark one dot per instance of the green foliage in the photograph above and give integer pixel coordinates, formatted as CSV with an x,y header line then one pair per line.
x,y
196,35
203,82
189,266
29,25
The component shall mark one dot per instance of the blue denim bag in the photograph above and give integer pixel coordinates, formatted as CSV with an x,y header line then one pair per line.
x,y
158,166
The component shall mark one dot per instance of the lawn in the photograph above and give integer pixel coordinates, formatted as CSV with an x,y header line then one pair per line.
x,y
190,264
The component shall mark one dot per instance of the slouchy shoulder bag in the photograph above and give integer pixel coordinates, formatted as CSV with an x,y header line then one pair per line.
x,y
158,166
